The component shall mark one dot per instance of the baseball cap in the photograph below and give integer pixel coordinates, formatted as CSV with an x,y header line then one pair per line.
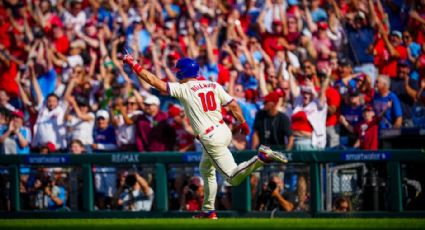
x,y
174,111
367,108
360,15
204,21
344,62
51,147
196,180
322,25
152,100
404,62
271,97
102,113
82,101
397,33
306,89
174,55
18,113
250,94
56,21
280,92
277,22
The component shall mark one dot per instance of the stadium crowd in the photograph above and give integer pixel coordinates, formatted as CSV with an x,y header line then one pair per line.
x,y
308,75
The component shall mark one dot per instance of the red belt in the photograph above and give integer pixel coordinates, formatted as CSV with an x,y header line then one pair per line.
x,y
210,129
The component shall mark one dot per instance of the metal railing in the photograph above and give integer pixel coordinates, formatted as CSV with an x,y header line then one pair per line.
x,y
240,203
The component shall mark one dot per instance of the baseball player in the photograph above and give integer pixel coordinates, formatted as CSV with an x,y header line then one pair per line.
x,y
202,101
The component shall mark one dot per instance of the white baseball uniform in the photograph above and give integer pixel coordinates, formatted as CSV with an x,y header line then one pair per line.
x,y
202,101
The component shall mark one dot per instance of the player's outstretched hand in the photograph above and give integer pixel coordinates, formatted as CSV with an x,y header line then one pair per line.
x,y
244,128
128,58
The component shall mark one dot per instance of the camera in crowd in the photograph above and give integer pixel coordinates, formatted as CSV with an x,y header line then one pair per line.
x,y
38,33
130,181
271,186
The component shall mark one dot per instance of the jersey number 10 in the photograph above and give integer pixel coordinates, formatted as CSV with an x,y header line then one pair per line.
x,y
208,101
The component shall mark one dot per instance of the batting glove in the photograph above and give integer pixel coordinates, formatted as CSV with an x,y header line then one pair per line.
x,y
129,59
244,128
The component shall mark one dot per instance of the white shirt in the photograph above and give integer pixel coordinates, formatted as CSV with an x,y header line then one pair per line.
x,y
82,130
139,201
50,127
316,115
77,21
126,134
293,60
202,101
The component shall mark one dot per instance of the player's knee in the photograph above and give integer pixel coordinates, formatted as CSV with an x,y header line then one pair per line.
x,y
233,181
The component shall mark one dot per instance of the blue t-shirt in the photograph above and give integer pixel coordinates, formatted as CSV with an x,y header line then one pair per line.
x,y
343,88
144,39
360,40
415,51
26,133
60,193
257,55
380,103
319,15
352,115
104,15
248,82
47,82
210,72
398,18
105,136
249,110
174,7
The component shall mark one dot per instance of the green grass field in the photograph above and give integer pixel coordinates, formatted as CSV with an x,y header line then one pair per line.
x,y
224,223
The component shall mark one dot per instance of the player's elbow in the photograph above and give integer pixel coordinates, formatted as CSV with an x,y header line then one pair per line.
x,y
161,86
233,105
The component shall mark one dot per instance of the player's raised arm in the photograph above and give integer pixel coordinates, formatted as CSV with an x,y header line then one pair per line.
x,y
145,75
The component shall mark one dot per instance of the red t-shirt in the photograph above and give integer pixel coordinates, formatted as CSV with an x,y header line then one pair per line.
x,y
367,132
7,79
62,44
420,37
183,138
5,29
386,64
333,99
193,205
223,75
270,41
300,122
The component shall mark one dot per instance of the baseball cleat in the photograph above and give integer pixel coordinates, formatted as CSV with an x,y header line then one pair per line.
x,y
267,155
207,215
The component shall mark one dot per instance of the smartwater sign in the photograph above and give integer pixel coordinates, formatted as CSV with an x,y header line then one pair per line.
x,y
366,156
47,159
192,157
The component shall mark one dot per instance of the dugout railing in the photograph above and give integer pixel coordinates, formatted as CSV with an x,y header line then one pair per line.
x,y
241,203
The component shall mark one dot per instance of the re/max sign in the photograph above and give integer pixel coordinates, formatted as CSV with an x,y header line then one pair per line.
x,y
125,158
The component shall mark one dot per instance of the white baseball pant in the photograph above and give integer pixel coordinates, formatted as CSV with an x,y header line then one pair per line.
x,y
216,155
